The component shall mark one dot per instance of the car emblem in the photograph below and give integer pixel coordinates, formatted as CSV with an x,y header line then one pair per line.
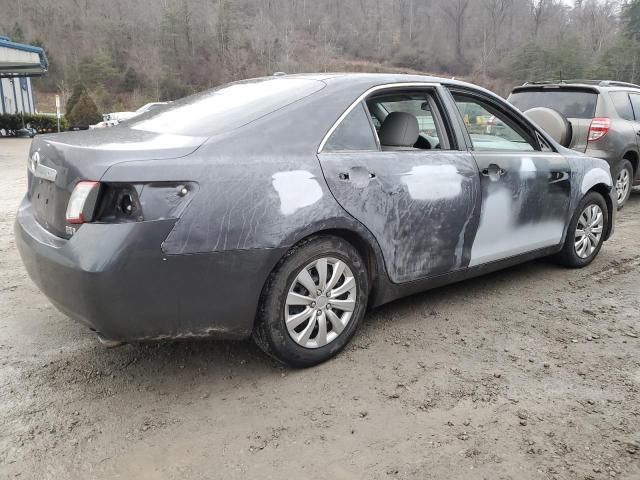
x,y
41,171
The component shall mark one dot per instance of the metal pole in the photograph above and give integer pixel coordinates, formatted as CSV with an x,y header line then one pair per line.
x,y
58,111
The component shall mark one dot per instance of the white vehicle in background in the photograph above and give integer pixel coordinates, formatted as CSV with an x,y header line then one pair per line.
x,y
112,119
104,124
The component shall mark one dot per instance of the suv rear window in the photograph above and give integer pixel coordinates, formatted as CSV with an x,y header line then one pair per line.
x,y
571,103
225,108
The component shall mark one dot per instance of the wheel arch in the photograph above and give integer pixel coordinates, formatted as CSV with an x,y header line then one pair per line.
x,y
634,159
605,191
358,236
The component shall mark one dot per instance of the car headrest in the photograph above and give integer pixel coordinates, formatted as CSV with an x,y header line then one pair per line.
x,y
399,129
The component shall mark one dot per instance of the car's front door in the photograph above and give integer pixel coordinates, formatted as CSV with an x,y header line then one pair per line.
x,y
526,186
421,204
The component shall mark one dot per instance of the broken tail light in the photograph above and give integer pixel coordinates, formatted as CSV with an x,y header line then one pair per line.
x,y
120,203
105,202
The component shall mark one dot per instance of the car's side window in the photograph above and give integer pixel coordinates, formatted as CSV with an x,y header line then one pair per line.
x,y
491,129
418,105
635,101
622,104
354,133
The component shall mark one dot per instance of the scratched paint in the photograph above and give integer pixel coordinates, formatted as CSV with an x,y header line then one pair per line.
x,y
296,190
258,189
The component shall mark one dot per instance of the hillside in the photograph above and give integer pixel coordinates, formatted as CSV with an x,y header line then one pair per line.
x,y
127,53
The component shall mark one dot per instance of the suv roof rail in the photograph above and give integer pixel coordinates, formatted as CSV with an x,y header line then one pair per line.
x,y
600,83
616,83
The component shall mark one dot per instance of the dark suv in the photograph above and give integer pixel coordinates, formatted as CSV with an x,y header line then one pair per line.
x,y
605,121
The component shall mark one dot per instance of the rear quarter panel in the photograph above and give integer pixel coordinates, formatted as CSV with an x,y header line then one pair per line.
x,y
259,186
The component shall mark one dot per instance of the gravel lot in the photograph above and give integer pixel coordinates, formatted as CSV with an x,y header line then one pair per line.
x,y
532,372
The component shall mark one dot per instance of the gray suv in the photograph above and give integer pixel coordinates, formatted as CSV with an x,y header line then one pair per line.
x,y
605,121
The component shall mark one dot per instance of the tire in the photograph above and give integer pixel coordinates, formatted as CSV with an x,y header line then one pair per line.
x,y
306,345
573,257
624,183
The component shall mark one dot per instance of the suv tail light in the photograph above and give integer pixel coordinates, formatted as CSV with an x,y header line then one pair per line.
x,y
82,202
599,128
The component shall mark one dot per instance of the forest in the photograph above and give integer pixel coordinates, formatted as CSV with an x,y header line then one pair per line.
x,y
127,52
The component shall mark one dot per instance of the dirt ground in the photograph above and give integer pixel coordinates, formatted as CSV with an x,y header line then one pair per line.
x,y
529,373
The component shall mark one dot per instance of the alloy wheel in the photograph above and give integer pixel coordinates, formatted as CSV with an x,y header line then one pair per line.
x,y
623,184
320,302
589,230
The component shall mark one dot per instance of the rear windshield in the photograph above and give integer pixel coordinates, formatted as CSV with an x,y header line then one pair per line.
x,y
571,103
225,108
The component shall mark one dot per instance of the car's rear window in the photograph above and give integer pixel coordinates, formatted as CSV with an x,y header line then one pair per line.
x,y
225,108
571,103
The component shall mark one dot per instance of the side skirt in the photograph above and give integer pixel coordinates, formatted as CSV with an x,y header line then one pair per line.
x,y
388,291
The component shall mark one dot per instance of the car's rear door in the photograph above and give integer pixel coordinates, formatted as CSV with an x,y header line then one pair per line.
x,y
423,206
525,184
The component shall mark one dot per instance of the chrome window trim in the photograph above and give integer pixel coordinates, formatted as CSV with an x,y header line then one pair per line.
x,y
365,95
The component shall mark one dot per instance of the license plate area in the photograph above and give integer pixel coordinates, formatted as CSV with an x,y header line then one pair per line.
x,y
43,200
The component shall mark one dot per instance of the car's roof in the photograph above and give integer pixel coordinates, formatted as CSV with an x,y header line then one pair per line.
x,y
378,78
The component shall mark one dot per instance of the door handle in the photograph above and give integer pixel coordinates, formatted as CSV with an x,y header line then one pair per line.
x,y
494,171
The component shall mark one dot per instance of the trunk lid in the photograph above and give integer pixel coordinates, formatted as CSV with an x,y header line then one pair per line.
x,y
58,162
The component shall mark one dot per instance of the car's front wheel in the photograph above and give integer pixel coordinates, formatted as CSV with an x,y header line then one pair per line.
x,y
624,183
312,302
586,232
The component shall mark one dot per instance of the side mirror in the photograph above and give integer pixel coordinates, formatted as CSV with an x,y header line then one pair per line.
x,y
552,122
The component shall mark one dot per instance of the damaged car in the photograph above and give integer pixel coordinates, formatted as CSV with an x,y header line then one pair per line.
x,y
283,208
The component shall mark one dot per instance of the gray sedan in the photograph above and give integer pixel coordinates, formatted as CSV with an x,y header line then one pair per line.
x,y
283,208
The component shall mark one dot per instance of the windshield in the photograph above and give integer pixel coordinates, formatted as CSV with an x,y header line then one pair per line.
x,y
225,108
571,103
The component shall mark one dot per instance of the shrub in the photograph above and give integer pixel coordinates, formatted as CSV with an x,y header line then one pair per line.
x,y
84,113
42,123
78,91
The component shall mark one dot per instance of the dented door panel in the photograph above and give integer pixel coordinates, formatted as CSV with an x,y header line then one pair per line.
x,y
423,207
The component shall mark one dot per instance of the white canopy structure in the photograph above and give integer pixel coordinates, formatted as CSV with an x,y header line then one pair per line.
x,y
19,62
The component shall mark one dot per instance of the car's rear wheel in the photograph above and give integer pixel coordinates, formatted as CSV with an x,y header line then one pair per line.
x,y
624,183
312,302
586,232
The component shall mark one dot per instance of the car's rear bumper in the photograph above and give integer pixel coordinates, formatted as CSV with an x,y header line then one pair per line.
x,y
116,279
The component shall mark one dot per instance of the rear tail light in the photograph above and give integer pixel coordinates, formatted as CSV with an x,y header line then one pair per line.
x,y
82,202
599,128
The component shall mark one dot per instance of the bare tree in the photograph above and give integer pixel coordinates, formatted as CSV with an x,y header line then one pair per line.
x,y
456,11
167,48
498,11
539,10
